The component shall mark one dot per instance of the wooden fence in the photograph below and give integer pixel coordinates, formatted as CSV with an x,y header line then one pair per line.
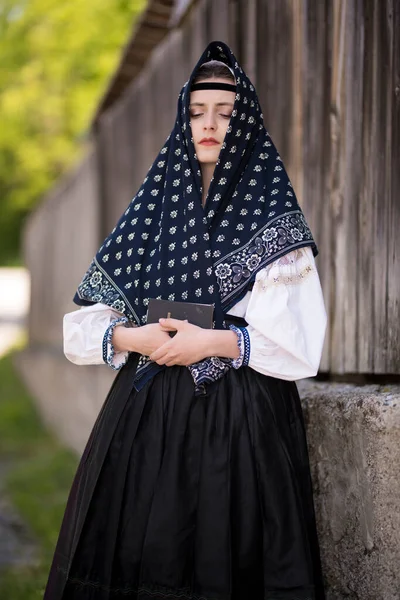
x,y
328,76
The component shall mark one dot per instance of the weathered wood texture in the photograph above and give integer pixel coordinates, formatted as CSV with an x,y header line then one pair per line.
x,y
59,239
151,28
328,77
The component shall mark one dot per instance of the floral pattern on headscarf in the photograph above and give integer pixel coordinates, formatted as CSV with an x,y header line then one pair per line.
x,y
167,246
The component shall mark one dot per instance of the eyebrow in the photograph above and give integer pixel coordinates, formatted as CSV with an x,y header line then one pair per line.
x,y
217,104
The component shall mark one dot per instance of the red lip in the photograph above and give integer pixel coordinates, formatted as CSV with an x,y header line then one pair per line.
x,y
208,141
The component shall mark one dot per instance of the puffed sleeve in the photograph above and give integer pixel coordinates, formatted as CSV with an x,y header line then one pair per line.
x,y
88,334
286,318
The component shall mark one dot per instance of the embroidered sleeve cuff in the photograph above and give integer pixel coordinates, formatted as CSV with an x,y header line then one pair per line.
x,y
113,359
243,341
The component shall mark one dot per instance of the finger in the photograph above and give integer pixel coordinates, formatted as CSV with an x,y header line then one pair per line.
x,y
165,355
156,356
171,361
162,360
161,351
167,329
171,324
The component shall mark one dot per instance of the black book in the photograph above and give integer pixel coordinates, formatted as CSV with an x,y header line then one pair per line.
x,y
197,314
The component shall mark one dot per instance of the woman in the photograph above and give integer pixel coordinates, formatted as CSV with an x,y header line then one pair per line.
x,y
195,480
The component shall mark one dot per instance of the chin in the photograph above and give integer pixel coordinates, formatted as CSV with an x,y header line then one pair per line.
x,y
207,157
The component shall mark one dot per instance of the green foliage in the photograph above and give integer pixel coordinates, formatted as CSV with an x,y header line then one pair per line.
x,y
56,61
37,483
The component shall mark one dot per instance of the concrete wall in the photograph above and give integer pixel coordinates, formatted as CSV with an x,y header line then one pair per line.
x,y
354,443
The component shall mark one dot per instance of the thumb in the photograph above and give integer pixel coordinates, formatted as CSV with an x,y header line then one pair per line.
x,y
171,324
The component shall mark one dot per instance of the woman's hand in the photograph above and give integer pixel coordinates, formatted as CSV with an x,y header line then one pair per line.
x,y
144,340
190,344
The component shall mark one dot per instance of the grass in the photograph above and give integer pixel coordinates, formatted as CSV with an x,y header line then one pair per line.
x,y
12,261
37,483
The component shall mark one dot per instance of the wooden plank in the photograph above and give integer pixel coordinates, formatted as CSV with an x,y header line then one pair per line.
x,y
320,200
175,78
181,74
178,12
158,88
169,82
347,272
208,19
264,74
345,178
135,133
312,61
198,31
53,237
187,50
38,259
77,240
234,28
316,126
194,38
382,149
336,288
273,71
218,28
126,138
393,178
123,171
248,35
110,174
368,196
105,144
297,104
146,127
143,38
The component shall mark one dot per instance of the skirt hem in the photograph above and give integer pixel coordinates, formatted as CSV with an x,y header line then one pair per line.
x,y
152,591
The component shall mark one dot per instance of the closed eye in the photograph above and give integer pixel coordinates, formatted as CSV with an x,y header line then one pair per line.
x,y
194,116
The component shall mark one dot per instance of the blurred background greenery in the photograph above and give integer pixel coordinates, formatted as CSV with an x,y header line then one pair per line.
x,y
39,476
56,61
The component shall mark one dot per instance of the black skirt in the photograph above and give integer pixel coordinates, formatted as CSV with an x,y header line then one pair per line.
x,y
192,497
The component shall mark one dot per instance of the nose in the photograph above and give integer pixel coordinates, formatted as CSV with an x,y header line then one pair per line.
x,y
210,121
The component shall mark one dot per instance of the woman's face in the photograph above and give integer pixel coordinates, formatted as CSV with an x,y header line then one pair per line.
x,y
210,112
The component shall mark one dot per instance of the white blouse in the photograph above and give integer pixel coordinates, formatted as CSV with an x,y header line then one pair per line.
x,y
285,313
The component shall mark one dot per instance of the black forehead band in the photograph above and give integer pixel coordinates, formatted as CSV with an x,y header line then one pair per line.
x,y
208,85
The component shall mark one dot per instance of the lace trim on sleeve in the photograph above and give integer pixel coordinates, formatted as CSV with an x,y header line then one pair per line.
x,y
290,269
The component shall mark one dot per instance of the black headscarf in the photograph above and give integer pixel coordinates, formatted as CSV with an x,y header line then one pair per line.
x,y
166,245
